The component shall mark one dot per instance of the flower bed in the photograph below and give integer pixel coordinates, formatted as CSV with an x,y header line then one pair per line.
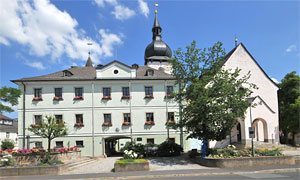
x,y
32,156
232,158
126,123
36,125
168,96
37,98
106,98
149,123
149,97
106,124
57,98
232,152
78,125
125,97
78,98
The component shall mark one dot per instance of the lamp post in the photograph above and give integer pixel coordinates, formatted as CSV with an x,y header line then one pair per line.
x,y
251,128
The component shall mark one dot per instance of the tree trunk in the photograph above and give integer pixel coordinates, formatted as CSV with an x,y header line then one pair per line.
x,y
293,139
49,144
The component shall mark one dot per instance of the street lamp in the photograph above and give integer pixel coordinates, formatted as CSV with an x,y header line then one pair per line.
x,y
251,128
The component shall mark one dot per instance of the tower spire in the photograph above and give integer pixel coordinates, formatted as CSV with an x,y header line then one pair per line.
x,y
156,27
89,61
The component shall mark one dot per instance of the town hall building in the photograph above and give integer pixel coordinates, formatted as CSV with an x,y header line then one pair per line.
x,y
105,106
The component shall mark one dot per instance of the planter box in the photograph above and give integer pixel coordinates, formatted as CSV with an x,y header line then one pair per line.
x,y
30,159
132,166
246,161
32,171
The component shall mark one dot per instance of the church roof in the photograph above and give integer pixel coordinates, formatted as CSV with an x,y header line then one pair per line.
x,y
157,50
228,55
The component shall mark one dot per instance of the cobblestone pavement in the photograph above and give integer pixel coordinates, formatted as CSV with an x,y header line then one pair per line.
x,y
173,163
104,165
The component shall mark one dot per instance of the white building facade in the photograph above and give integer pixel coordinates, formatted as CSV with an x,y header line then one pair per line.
x,y
264,115
107,105
8,129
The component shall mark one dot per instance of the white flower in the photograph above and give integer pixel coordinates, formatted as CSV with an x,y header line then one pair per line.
x,y
4,160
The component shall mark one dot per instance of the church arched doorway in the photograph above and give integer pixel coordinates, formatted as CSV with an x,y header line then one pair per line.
x,y
261,130
114,144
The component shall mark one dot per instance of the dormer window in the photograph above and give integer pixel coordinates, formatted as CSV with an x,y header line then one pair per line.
x,y
67,73
149,72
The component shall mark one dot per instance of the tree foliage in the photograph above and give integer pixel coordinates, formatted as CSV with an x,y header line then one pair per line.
x,y
9,95
289,104
215,98
49,128
7,144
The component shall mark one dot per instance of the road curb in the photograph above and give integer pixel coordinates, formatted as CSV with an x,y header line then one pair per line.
x,y
199,174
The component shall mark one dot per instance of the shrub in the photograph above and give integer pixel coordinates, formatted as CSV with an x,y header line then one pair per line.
x,y
7,144
169,148
193,154
231,152
6,160
130,154
136,148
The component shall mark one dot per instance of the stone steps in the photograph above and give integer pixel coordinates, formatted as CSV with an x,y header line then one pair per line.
x,y
83,161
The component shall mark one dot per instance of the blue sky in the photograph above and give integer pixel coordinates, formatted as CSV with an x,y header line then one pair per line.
x,y
41,37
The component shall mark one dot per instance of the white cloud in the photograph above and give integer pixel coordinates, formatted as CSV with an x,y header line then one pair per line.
x,y
37,65
101,3
143,6
275,80
291,48
108,41
122,12
46,30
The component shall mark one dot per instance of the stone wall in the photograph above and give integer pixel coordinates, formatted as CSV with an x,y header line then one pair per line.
x,y
32,171
246,162
131,166
31,159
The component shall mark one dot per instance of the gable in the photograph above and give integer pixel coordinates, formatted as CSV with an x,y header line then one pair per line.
x,y
115,70
242,59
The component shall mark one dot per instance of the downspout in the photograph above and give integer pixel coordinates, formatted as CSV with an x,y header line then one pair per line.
x,y
166,98
129,83
93,133
24,92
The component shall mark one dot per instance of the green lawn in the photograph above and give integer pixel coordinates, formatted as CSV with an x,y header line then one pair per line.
x,y
125,161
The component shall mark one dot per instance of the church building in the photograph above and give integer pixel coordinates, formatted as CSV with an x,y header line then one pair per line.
x,y
105,106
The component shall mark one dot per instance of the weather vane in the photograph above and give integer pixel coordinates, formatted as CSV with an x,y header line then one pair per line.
x,y
89,44
235,40
156,5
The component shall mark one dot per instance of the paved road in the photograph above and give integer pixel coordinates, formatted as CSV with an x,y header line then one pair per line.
x,y
232,174
250,176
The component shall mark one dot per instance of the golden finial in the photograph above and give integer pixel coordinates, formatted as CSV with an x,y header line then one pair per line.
x,y
156,5
235,40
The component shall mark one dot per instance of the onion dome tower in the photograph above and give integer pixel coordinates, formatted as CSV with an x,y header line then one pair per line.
x,y
157,53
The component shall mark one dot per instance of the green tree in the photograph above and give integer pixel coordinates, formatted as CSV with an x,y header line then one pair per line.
x,y
10,95
215,98
289,105
7,144
50,128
